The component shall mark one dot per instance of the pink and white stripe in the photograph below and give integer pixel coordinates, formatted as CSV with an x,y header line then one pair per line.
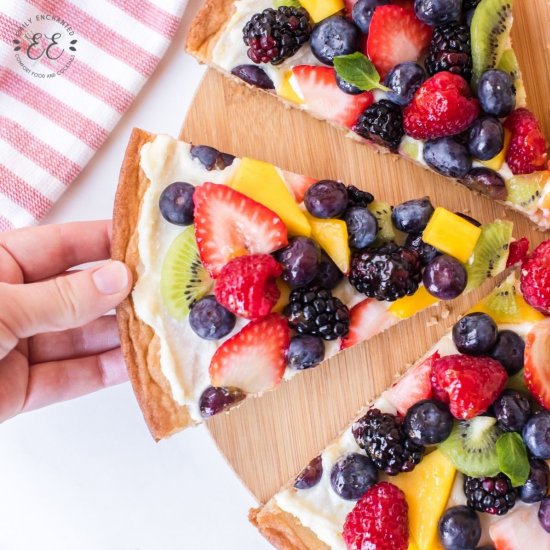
x,y
50,128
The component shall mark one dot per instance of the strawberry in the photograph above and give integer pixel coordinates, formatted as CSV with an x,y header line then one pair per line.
x,y
379,520
253,360
246,285
442,106
518,251
472,383
518,530
535,278
537,362
527,150
229,224
318,88
367,318
396,35
413,386
348,7
298,184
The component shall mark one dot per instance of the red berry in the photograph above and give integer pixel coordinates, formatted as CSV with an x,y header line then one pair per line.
x,y
535,278
442,106
471,383
537,362
246,285
379,520
518,251
527,150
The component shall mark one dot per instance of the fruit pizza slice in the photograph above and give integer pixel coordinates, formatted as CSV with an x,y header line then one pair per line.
x,y
246,274
452,456
437,82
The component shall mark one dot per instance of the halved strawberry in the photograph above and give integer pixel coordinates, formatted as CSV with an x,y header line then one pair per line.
x,y
366,319
520,529
396,35
318,88
229,224
298,184
253,360
537,362
413,386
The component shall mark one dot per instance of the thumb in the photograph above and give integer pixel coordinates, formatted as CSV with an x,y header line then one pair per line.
x,y
64,302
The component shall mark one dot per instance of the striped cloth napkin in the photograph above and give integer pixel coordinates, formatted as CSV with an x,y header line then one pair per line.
x,y
68,71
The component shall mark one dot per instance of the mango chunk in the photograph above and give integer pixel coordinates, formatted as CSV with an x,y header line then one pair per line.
x,y
498,160
283,300
451,234
427,489
286,90
321,9
409,305
261,182
332,236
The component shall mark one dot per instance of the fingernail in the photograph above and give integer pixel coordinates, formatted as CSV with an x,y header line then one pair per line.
x,y
111,278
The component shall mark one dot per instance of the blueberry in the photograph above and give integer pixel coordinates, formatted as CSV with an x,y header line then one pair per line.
x,y
305,351
326,199
445,278
536,435
310,475
211,158
448,157
176,203
536,486
486,138
437,12
496,93
346,87
412,216
328,274
215,400
509,351
428,422
362,13
362,227
486,181
459,528
254,75
352,475
425,251
211,320
544,514
300,260
512,410
334,36
404,79
475,334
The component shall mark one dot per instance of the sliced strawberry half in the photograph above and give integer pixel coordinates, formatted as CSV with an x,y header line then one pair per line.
x,y
229,224
366,319
520,529
318,88
253,360
298,184
537,362
396,35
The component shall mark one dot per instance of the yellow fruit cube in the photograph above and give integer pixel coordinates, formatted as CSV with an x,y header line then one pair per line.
x,y
451,234
409,305
498,160
283,298
427,489
332,235
286,90
261,182
321,9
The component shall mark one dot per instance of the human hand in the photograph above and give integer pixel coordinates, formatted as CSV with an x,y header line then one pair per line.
x,y
56,342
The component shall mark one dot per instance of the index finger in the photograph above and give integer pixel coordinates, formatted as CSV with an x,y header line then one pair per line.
x,y
47,250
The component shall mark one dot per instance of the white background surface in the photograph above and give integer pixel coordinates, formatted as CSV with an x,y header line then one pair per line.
x,y
86,474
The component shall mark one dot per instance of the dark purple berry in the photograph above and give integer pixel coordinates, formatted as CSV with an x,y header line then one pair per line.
x,y
300,261
536,486
328,274
176,203
437,12
326,199
496,93
448,157
486,181
428,422
310,475
362,227
512,410
253,75
358,197
363,11
305,351
412,216
426,252
346,87
332,37
544,514
352,475
536,435
215,400
445,278
492,495
459,527
486,138
403,81
509,350
475,334
210,320
211,158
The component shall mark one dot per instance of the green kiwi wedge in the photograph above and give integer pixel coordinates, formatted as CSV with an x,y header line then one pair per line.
x,y
502,301
183,278
382,212
490,30
471,446
509,64
490,253
524,191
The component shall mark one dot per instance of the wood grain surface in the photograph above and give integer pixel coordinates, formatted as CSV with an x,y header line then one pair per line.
x,y
268,440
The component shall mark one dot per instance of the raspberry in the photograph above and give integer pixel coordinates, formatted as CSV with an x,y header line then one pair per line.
x,y
471,383
379,520
518,251
527,150
246,285
442,106
535,278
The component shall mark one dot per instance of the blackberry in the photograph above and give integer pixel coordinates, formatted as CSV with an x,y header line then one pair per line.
x,y
314,310
470,4
493,495
357,197
386,273
382,437
381,123
450,50
275,35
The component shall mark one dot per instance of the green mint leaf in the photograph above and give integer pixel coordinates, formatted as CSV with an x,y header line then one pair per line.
x,y
512,458
289,3
357,69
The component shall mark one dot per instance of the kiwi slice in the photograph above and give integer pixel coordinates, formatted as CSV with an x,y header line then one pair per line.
x,y
490,30
502,301
471,446
524,191
382,212
490,253
410,147
183,278
509,64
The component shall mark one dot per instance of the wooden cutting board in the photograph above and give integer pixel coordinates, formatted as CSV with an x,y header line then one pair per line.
x,y
268,440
